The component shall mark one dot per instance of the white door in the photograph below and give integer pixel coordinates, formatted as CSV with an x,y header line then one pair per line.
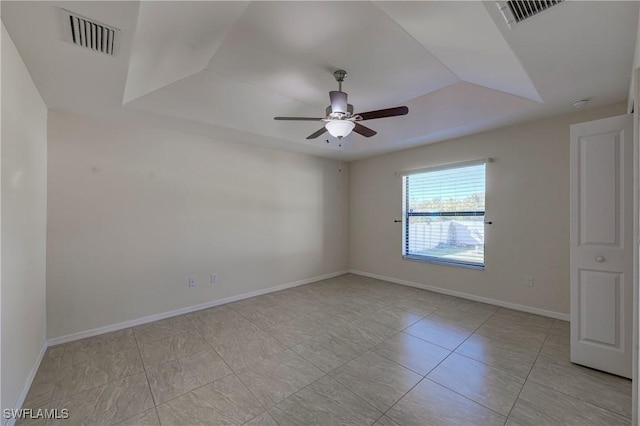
x,y
601,244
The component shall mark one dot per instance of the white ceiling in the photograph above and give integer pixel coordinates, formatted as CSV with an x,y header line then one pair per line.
x,y
225,69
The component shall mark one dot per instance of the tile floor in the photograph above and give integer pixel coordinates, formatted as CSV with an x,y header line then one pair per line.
x,y
345,351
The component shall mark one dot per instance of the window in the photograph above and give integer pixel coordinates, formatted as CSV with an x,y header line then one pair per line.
x,y
443,214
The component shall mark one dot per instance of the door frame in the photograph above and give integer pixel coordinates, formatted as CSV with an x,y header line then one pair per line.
x,y
633,107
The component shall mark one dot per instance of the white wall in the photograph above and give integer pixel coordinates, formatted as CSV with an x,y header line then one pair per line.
x,y
24,202
527,200
134,211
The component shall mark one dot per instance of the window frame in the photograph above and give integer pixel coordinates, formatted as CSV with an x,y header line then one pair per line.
x,y
407,214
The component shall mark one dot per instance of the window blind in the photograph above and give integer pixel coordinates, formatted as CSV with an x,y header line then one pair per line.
x,y
443,214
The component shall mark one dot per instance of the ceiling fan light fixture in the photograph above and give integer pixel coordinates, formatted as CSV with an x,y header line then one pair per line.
x,y
339,128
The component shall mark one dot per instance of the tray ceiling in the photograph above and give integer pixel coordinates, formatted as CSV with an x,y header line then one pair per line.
x,y
225,69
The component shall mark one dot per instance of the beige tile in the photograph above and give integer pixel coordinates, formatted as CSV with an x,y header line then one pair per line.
x,y
162,329
263,419
529,337
107,404
330,315
242,351
171,348
224,325
415,306
375,379
39,395
148,418
524,318
275,378
497,353
51,368
55,351
385,421
560,328
429,296
86,349
253,304
330,352
489,386
307,296
431,404
297,309
557,346
50,371
101,369
269,317
224,402
330,325
214,314
411,352
472,307
324,402
540,405
338,315
468,320
604,390
385,295
439,332
298,331
437,298
364,333
521,321
362,305
395,318
177,377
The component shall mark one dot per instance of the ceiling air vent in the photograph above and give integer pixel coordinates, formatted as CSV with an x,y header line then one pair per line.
x,y
86,32
516,11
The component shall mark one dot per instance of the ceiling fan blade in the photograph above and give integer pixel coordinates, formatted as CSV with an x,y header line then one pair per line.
x,y
338,101
316,134
299,118
382,113
364,131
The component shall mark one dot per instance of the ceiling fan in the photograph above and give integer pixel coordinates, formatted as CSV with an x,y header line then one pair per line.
x,y
341,120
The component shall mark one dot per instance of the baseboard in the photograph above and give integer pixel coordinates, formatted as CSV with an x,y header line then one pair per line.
x,y
501,303
139,321
27,385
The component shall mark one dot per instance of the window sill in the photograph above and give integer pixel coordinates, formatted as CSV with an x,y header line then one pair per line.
x,y
437,261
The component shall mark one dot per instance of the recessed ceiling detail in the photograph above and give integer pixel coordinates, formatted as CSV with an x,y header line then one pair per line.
x,y
292,48
225,69
174,40
465,38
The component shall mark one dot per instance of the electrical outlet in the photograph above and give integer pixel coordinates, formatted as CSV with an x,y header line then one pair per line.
x,y
528,281
214,278
192,282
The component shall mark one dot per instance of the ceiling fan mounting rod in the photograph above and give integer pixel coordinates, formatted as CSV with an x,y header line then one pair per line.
x,y
340,75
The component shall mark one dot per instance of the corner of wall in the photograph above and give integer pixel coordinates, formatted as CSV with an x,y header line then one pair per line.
x,y
23,227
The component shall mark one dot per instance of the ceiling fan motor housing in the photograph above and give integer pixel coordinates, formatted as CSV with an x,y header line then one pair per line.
x,y
348,113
